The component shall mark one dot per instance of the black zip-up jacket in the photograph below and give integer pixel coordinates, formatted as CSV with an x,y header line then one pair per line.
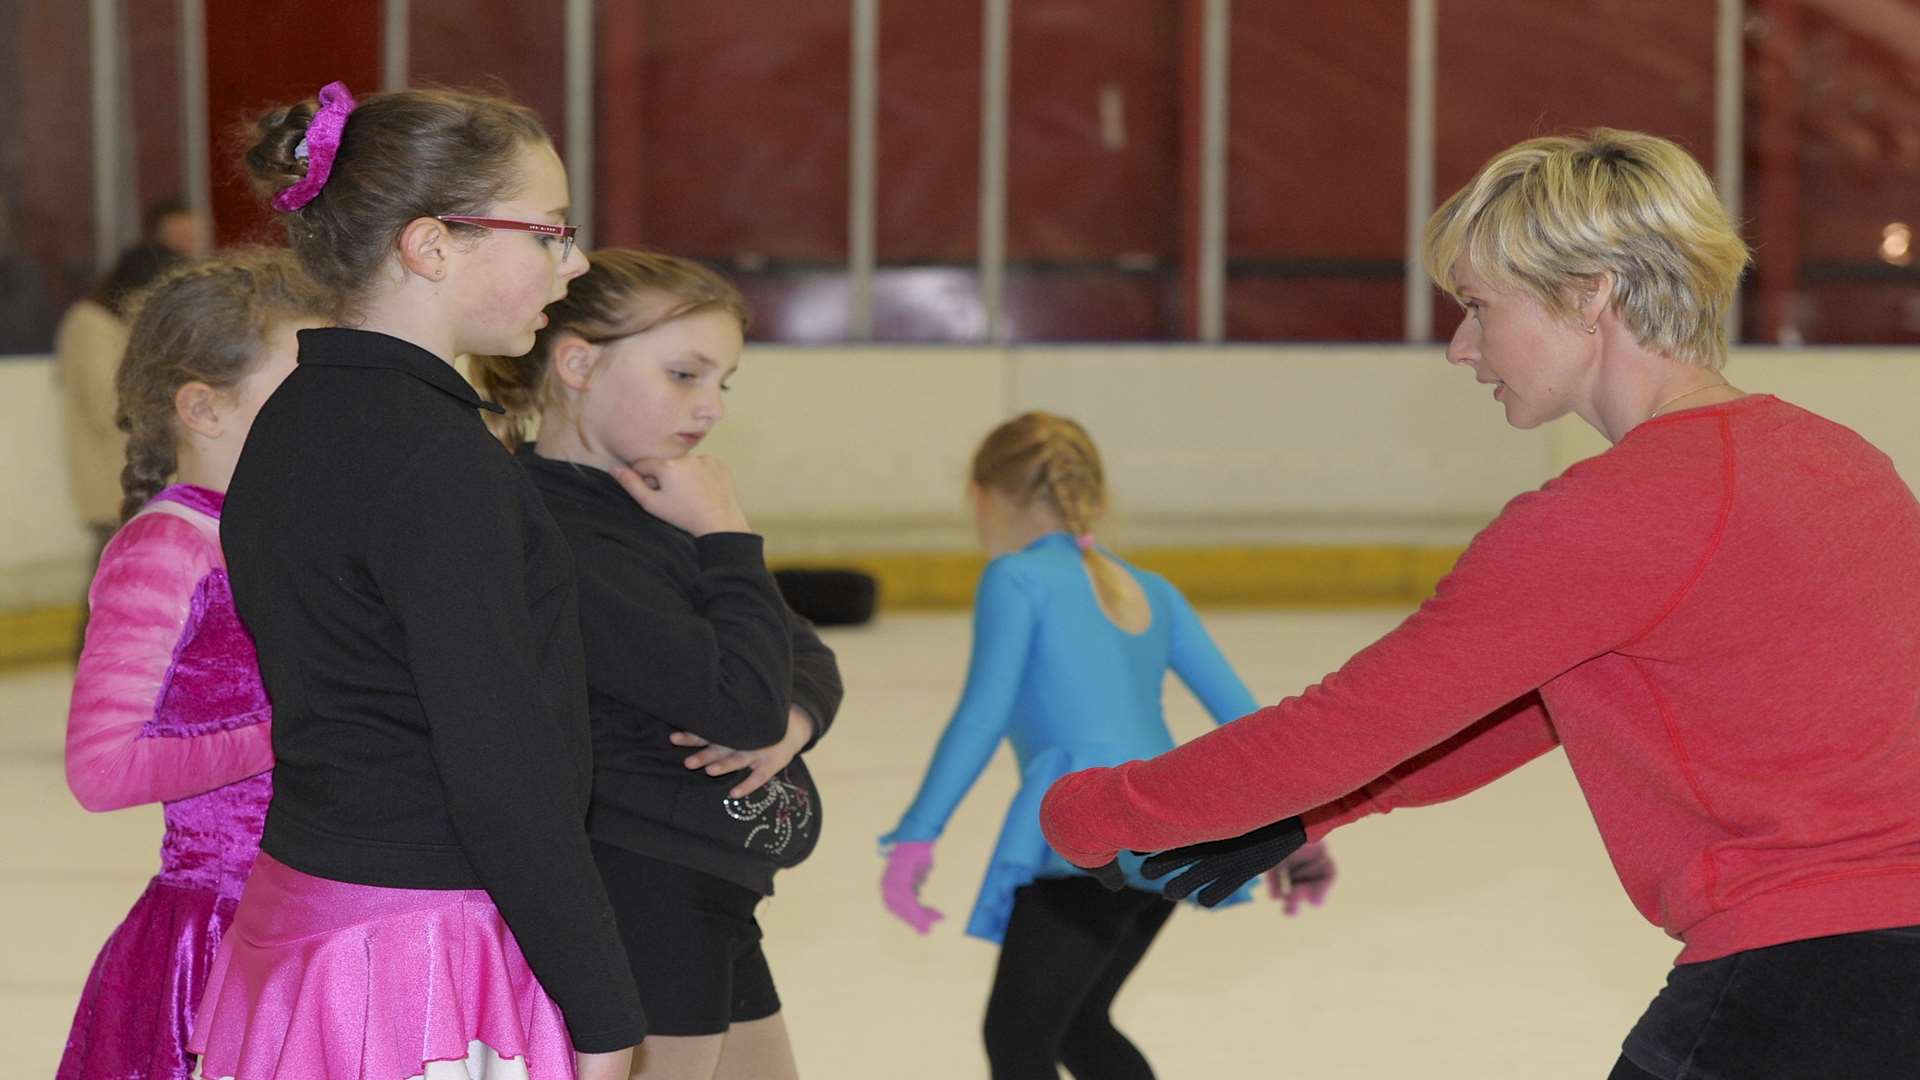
x,y
417,622
688,634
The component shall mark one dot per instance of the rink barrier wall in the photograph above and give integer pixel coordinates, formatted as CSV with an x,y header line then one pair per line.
x,y
1230,577
1250,475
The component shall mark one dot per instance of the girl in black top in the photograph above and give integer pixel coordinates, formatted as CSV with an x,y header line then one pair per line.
x,y
704,687
416,617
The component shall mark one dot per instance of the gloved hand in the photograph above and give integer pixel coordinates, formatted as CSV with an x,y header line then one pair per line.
x,y
1222,866
1306,874
908,865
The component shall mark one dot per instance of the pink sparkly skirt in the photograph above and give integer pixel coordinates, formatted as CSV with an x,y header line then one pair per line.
x,y
325,980
132,1019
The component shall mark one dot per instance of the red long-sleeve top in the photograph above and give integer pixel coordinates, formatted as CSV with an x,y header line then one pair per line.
x,y
1719,618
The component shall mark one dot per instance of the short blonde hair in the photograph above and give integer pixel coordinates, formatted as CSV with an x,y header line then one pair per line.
x,y
1547,216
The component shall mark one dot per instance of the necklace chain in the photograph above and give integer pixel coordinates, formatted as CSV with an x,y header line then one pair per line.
x,y
1658,409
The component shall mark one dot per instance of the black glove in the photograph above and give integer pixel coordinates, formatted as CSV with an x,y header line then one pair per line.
x,y
1224,865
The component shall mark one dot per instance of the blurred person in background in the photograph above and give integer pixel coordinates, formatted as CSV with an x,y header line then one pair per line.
x,y
26,321
174,225
87,348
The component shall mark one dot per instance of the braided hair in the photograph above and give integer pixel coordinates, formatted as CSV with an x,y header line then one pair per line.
x,y
206,321
1044,457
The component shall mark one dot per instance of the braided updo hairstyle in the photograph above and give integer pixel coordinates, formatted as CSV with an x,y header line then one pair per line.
x,y
206,321
1040,456
402,156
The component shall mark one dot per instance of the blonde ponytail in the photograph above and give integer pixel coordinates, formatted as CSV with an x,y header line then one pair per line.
x,y
1040,455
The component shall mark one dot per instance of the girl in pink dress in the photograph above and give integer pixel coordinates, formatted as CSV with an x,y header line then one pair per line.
x,y
167,704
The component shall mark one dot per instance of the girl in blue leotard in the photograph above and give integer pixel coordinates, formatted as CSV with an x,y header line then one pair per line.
x,y
1071,647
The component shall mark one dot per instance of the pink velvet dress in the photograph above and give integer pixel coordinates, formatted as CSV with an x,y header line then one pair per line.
x,y
167,707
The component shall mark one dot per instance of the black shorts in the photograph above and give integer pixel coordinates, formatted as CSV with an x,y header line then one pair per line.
x,y
692,941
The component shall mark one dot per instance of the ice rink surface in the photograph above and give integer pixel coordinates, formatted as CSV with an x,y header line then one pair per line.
x,y
1484,939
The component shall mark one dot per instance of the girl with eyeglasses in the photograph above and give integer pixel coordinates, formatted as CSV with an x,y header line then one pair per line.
x,y
425,903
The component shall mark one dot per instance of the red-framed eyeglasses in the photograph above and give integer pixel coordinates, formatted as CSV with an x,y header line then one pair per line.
x,y
564,232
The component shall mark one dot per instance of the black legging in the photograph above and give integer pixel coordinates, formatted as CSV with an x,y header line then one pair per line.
x,y
1070,945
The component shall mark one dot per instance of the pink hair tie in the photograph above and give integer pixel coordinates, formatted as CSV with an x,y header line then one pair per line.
x,y
319,147
1084,541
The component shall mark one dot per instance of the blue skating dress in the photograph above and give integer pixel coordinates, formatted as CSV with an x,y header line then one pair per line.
x,y
1072,691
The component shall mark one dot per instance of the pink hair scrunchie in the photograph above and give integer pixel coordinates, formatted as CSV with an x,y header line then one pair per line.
x,y
321,144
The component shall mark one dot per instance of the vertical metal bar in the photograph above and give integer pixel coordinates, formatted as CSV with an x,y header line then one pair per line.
x,y
993,166
861,165
580,115
103,29
1422,46
1729,122
196,157
1776,188
1213,171
396,43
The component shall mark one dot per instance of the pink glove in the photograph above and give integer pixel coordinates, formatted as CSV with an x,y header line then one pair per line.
x,y
908,864
1306,874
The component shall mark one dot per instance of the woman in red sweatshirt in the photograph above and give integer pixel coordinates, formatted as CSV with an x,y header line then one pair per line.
x,y
1718,618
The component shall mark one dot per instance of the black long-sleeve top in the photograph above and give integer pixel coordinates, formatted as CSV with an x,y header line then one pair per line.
x,y
416,617
685,634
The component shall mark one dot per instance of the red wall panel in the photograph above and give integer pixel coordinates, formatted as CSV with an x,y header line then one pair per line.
x,y
55,211
928,124
745,124
1317,130
153,47
263,53
1512,69
1317,170
1848,107
516,50
620,144
1859,137
1093,129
